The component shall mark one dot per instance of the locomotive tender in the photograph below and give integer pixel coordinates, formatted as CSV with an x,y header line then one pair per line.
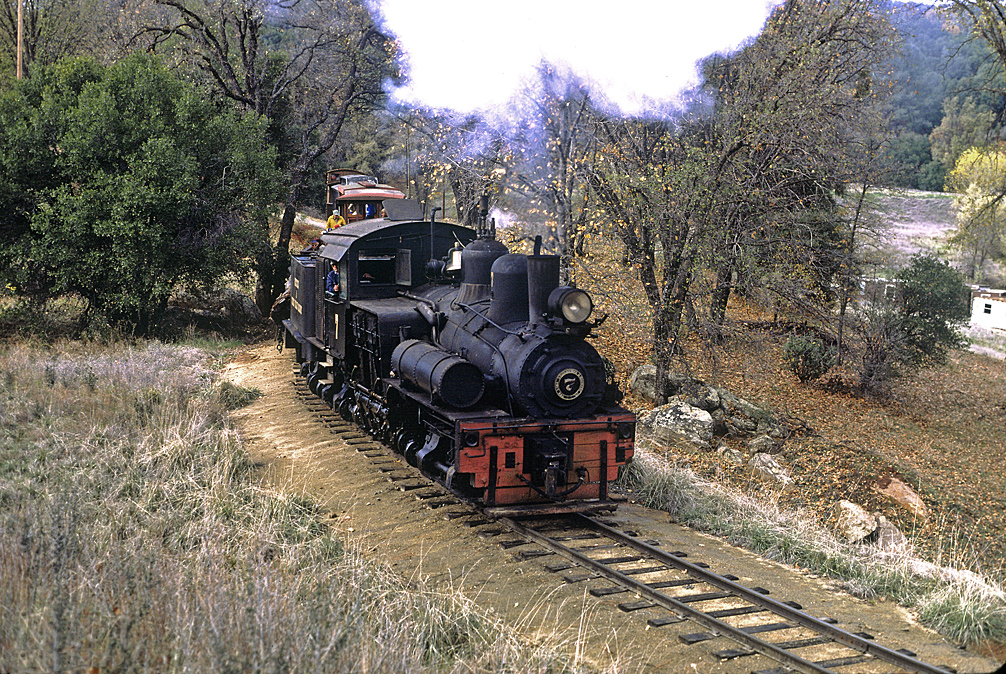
x,y
468,360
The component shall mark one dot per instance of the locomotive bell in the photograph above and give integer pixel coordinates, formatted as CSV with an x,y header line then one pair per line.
x,y
477,260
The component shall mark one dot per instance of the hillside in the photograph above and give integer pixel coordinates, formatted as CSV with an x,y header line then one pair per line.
x,y
940,432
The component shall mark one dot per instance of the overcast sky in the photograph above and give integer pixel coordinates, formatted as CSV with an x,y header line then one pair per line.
x,y
472,54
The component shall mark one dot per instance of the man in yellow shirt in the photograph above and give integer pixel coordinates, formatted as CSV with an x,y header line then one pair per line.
x,y
335,221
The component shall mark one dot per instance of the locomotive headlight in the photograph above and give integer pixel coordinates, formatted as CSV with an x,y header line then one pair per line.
x,y
572,304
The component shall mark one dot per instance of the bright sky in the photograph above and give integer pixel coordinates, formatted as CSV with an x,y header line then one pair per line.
x,y
472,54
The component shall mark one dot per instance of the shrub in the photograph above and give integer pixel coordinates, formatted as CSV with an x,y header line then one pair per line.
x,y
808,358
916,329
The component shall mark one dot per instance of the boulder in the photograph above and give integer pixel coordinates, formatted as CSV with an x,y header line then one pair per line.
x,y
732,415
765,467
887,537
643,383
763,444
238,306
903,495
679,384
738,425
735,405
678,423
852,523
706,398
730,454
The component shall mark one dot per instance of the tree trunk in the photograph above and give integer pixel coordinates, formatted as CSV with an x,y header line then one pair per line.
x,y
273,268
720,297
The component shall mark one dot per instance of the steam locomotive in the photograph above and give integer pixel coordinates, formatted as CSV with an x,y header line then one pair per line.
x,y
468,360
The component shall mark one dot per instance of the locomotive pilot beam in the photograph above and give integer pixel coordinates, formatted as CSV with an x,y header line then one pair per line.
x,y
470,361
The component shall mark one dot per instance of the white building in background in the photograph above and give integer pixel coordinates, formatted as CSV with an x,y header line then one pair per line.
x,y
988,308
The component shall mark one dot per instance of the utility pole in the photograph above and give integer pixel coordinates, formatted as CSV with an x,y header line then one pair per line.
x,y
20,32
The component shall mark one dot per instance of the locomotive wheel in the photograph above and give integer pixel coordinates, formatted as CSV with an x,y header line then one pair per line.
x,y
344,409
403,439
314,382
412,448
398,439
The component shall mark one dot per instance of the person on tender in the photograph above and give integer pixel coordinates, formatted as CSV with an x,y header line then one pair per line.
x,y
332,280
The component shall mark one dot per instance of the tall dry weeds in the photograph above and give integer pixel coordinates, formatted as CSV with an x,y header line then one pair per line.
x,y
133,537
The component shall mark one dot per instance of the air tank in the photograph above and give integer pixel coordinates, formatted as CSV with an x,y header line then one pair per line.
x,y
444,375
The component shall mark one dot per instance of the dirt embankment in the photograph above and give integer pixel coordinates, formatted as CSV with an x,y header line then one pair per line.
x,y
299,453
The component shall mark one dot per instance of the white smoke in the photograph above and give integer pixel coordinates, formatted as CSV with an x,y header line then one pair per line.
x,y
472,55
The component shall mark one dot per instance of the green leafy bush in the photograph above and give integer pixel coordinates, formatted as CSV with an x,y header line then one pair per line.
x,y
120,184
808,358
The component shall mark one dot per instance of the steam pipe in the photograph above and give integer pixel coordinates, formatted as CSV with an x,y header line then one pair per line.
x,y
433,219
483,214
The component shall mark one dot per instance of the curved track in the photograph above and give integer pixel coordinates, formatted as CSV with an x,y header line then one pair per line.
x,y
669,587
798,642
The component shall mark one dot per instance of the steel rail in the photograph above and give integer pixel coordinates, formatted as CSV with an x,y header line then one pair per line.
x,y
789,659
838,634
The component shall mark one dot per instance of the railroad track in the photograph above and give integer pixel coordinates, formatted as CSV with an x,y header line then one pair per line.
x,y
672,589
739,623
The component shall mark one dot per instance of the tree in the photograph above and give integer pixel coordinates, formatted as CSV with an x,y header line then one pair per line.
x,y
979,178
447,149
307,66
124,182
547,139
964,125
742,185
935,306
52,29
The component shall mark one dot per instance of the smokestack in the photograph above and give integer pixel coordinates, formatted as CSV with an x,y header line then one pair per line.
x,y
542,279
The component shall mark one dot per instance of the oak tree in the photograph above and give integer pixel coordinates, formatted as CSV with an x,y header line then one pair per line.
x,y
122,183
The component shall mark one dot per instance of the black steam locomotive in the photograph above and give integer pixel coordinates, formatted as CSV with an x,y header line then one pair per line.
x,y
468,360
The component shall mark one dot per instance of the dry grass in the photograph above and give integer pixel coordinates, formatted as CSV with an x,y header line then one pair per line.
x,y
960,604
134,537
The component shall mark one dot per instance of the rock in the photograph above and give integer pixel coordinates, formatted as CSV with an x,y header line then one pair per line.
x,y
904,496
763,444
226,303
853,523
706,398
682,385
950,575
737,425
887,537
679,422
732,415
643,382
730,454
765,467
734,405
239,306
770,428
